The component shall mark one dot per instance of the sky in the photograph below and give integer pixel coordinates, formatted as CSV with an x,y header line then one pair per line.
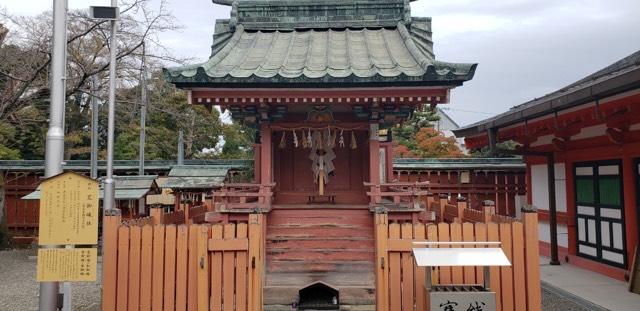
x,y
524,48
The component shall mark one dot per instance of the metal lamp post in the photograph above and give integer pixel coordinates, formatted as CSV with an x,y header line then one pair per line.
x,y
54,150
110,13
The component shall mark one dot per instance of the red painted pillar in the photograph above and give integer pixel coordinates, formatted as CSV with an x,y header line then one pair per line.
x,y
257,149
178,201
374,155
528,181
265,154
389,164
572,230
630,211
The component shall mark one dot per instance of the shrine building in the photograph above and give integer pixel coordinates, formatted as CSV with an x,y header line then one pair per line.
x,y
319,80
583,141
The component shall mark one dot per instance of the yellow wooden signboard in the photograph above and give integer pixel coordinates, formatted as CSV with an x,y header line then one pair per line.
x,y
69,210
67,265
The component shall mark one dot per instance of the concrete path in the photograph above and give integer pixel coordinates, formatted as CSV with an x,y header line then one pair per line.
x,y
594,288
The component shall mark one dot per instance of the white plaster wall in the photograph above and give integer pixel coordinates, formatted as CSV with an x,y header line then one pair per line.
x,y
540,186
591,131
544,234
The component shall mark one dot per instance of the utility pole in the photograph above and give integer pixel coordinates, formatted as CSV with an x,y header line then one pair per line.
x,y
109,202
94,127
54,150
143,108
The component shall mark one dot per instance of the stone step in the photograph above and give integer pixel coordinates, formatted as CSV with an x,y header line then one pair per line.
x,y
334,255
276,307
341,219
283,233
300,280
349,296
320,243
294,266
325,223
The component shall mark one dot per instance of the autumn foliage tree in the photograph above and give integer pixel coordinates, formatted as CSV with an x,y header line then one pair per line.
x,y
431,143
416,138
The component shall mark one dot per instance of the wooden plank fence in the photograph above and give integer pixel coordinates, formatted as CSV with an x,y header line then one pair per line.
x,y
183,267
400,283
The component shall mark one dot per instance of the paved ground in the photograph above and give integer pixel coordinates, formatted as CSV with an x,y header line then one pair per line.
x,y
19,289
554,298
589,286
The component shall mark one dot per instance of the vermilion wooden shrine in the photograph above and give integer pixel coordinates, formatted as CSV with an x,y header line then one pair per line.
x,y
582,148
319,79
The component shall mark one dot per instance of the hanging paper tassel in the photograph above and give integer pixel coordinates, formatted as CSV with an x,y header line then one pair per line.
x,y
283,141
341,141
333,138
304,139
309,139
354,143
295,139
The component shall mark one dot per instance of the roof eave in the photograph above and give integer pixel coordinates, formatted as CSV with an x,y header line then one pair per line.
x,y
616,85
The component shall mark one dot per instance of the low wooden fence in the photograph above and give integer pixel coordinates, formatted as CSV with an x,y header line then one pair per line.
x,y
190,215
400,283
184,267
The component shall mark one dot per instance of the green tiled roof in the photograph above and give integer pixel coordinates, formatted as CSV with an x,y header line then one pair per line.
x,y
196,177
463,163
333,41
127,188
118,165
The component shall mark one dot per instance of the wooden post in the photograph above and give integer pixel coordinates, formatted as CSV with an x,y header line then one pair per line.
x,y
532,257
389,158
257,152
444,200
178,201
254,280
489,209
203,268
462,205
630,211
374,155
186,214
110,224
430,200
265,154
382,262
157,215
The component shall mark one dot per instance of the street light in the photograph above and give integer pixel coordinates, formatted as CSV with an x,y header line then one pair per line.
x,y
110,13
54,150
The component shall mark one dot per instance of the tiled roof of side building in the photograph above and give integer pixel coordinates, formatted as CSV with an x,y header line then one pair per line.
x,y
218,168
460,164
621,76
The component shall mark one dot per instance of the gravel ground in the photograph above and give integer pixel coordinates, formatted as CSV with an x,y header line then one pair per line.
x,y
557,299
19,289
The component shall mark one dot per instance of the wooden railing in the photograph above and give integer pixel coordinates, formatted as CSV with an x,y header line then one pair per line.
x,y
138,221
184,267
400,283
399,194
243,196
197,213
188,215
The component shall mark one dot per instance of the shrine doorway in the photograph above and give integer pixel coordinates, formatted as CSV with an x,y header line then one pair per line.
x,y
295,180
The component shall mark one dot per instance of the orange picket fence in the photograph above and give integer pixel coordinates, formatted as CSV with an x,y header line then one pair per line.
x,y
400,283
183,267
